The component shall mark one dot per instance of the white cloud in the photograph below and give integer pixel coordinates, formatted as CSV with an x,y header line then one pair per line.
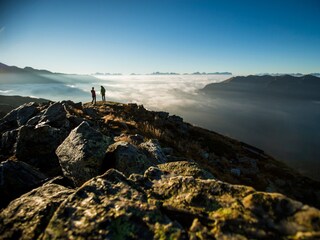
x,y
2,29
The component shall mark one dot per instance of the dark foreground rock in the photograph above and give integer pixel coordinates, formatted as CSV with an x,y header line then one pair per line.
x,y
17,178
27,216
155,206
110,207
37,145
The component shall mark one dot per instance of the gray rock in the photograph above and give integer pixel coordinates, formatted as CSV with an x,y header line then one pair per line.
x,y
27,216
153,173
153,148
8,140
82,153
37,146
17,178
71,104
18,116
127,158
210,209
54,115
34,120
25,112
110,207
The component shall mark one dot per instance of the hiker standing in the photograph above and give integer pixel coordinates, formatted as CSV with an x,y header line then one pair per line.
x,y
93,93
103,92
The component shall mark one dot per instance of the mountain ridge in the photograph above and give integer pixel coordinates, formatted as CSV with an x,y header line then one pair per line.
x,y
150,174
306,86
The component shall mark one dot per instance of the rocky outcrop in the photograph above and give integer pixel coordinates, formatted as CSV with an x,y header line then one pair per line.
x,y
130,173
37,145
17,178
18,116
127,158
110,207
210,208
157,205
152,147
54,115
81,154
27,216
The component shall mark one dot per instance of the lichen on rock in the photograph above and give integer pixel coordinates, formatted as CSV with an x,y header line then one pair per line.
x,y
82,153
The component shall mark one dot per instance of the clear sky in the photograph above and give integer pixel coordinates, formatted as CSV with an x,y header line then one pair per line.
x,y
83,36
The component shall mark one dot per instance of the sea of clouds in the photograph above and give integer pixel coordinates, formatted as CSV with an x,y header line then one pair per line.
x,y
288,130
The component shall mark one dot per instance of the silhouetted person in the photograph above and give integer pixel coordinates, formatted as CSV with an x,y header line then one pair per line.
x,y
103,92
93,93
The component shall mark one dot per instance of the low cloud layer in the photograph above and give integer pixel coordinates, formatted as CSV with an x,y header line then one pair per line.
x,y
285,129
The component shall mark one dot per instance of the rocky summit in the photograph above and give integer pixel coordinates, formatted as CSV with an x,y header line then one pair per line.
x,y
118,171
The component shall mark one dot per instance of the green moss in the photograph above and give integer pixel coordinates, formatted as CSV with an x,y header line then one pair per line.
x,y
122,229
164,232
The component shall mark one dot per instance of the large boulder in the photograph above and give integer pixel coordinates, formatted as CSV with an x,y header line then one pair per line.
x,y
153,148
127,158
27,216
17,178
55,115
18,116
218,210
8,140
25,112
110,207
37,145
81,155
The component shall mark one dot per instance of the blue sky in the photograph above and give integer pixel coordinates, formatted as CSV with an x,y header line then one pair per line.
x,y
244,37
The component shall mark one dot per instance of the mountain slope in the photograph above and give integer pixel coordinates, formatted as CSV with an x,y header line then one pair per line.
x,y
15,75
304,87
120,171
29,75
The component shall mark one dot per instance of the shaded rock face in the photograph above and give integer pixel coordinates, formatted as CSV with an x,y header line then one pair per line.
x,y
27,216
37,145
82,153
8,139
18,116
127,158
55,115
16,178
153,148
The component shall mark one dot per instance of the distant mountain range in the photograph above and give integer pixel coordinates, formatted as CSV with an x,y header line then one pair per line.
x,y
16,75
13,69
306,86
